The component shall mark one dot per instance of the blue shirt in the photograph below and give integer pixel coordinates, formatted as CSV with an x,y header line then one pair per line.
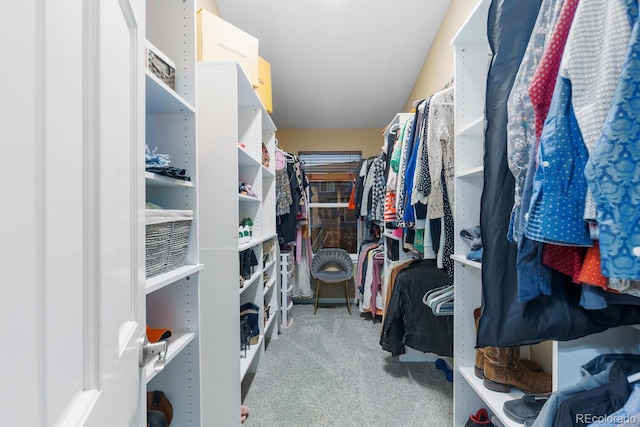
x,y
559,186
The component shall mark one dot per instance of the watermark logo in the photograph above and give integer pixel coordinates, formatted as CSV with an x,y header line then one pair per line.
x,y
606,419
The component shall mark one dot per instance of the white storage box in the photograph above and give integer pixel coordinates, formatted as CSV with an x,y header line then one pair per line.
x,y
167,239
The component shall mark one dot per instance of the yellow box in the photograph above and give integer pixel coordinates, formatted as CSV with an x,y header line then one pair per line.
x,y
264,84
218,40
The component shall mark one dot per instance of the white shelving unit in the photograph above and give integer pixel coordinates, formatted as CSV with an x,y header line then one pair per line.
x,y
172,297
286,289
472,55
232,126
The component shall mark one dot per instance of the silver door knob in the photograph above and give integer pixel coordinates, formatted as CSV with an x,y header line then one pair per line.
x,y
153,349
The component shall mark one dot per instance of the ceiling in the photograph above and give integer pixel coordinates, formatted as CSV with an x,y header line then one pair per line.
x,y
339,63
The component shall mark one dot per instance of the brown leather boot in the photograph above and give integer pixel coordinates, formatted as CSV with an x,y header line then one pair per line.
x,y
503,370
478,368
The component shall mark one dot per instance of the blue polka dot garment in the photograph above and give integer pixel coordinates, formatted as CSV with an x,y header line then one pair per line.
x,y
559,188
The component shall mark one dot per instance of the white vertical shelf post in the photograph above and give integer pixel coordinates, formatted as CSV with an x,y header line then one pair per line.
x,y
232,126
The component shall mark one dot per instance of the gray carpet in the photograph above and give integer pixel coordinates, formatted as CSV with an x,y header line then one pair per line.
x,y
329,370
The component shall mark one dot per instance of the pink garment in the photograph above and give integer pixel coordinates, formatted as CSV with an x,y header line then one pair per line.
x,y
362,258
544,79
376,282
306,241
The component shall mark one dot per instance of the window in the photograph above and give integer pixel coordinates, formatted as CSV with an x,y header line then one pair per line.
x,y
331,178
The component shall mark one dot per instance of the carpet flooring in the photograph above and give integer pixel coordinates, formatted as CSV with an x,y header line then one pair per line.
x,y
330,370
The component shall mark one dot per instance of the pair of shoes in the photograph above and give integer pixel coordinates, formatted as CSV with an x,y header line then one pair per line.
x,y
481,418
503,370
244,413
526,408
246,190
478,367
245,230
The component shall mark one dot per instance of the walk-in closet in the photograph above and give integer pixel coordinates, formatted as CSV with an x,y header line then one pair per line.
x,y
332,213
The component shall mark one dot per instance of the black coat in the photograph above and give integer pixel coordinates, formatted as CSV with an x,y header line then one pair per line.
x,y
408,321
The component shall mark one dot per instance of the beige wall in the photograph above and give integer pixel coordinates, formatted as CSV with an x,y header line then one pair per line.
x,y
368,141
438,66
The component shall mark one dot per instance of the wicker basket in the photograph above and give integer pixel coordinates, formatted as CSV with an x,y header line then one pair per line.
x,y
167,240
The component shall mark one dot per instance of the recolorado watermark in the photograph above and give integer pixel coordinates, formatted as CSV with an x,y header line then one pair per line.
x,y
606,419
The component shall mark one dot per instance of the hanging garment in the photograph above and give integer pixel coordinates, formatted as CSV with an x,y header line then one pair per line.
x,y
544,79
286,224
559,186
394,269
534,277
408,321
594,374
628,412
499,282
504,321
402,167
613,171
601,401
440,143
422,111
592,62
520,131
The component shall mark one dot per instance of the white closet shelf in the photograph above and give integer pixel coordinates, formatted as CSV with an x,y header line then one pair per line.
x,y
493,399
245,362
161,99
245,159
250,281
474,128
255,242
269,264
391,236
271,320
474,173
154,283
463,260
244,198
175,344
155,180
269,286
267,173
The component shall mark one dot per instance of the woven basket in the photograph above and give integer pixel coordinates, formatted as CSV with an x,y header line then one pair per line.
x,y
167,240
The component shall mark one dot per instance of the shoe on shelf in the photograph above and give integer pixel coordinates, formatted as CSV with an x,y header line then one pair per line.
x,y
503,370
480,419
478,368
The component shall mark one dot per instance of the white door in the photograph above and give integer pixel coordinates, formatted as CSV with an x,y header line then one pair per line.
x,y
72,256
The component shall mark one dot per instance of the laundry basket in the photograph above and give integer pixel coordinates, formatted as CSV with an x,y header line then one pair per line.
x,y
167,239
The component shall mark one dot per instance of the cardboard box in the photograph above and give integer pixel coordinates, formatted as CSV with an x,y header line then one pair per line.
x,y
264,84
218,40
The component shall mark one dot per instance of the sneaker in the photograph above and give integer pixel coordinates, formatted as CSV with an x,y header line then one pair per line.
x,y
480,419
